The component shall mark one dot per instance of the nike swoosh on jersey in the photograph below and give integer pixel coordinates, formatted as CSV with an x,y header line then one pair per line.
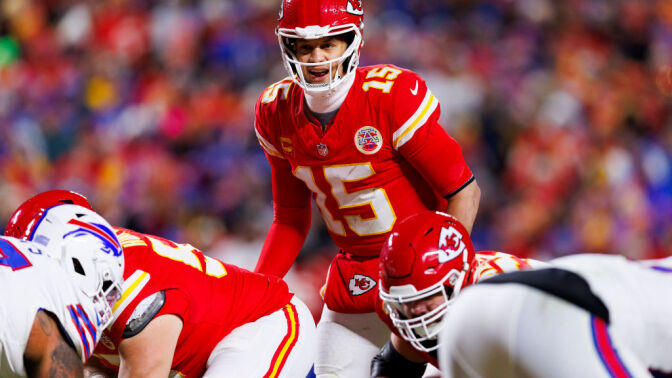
x,y
415,90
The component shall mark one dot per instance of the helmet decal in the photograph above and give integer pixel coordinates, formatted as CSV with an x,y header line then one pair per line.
x,y
449,239
355,7
105,234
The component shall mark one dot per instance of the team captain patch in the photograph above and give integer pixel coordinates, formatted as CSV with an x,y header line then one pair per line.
x,y
368,140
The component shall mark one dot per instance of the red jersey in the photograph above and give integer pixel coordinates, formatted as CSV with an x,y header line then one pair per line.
x,y
486,264
383,156
211,297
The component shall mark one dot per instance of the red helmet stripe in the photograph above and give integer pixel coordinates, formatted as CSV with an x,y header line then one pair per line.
x,y
95,229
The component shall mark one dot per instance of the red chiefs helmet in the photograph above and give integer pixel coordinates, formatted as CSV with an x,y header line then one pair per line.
x,y
22,223
313,19
427,254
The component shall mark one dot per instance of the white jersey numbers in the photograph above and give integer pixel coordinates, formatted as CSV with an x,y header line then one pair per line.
x,y
10,256
387,73
185,253
373,200
271,93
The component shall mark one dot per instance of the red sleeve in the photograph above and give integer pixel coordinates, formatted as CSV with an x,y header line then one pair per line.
x,y
421,140
439,160
176,304
291,206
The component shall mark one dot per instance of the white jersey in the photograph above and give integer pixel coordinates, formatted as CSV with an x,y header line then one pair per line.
x,y
30,282
638,295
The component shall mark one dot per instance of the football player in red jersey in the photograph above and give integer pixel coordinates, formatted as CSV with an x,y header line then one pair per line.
x,y
426,261
186,314
366,144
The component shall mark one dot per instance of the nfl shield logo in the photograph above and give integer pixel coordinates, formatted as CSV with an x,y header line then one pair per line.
x,y
322,149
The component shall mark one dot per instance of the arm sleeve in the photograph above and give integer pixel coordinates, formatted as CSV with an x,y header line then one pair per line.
x,y
422,141
439,160
291,222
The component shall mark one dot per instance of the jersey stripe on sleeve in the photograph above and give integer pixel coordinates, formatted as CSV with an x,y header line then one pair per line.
x,y
267,146
83,324
132,287
417,120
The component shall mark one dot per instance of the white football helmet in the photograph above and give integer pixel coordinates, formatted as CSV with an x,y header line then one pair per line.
x,y
88,249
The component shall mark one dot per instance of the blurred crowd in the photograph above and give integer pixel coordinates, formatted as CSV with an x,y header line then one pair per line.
x,y
562,109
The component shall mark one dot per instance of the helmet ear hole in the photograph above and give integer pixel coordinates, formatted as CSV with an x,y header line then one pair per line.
x,y
78,266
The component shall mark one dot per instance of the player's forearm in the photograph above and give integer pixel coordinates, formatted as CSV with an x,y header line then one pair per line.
x,y
281,248
464,204
149,354
47,354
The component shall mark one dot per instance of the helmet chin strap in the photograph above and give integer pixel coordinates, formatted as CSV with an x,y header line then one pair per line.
x,y
328,101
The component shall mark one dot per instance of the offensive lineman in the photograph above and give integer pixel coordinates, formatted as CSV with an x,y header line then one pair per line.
x,y
427,260
188,315
366,145
57,293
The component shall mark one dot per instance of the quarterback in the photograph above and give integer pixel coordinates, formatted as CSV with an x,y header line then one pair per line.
x,y
185,314
426,262
57,291
366,145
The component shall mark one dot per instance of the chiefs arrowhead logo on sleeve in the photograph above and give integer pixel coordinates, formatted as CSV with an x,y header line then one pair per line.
x,y
360,284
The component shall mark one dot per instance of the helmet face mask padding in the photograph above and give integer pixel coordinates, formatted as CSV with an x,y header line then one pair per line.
x,y
427,255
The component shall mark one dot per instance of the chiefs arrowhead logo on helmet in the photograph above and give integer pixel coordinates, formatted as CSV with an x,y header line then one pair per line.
x,y
450,246
355,7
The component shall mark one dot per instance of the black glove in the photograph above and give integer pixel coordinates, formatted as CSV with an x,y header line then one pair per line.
x,y
389,363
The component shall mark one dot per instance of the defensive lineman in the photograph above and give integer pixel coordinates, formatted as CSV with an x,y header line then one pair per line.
x,y
589,316
57,293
